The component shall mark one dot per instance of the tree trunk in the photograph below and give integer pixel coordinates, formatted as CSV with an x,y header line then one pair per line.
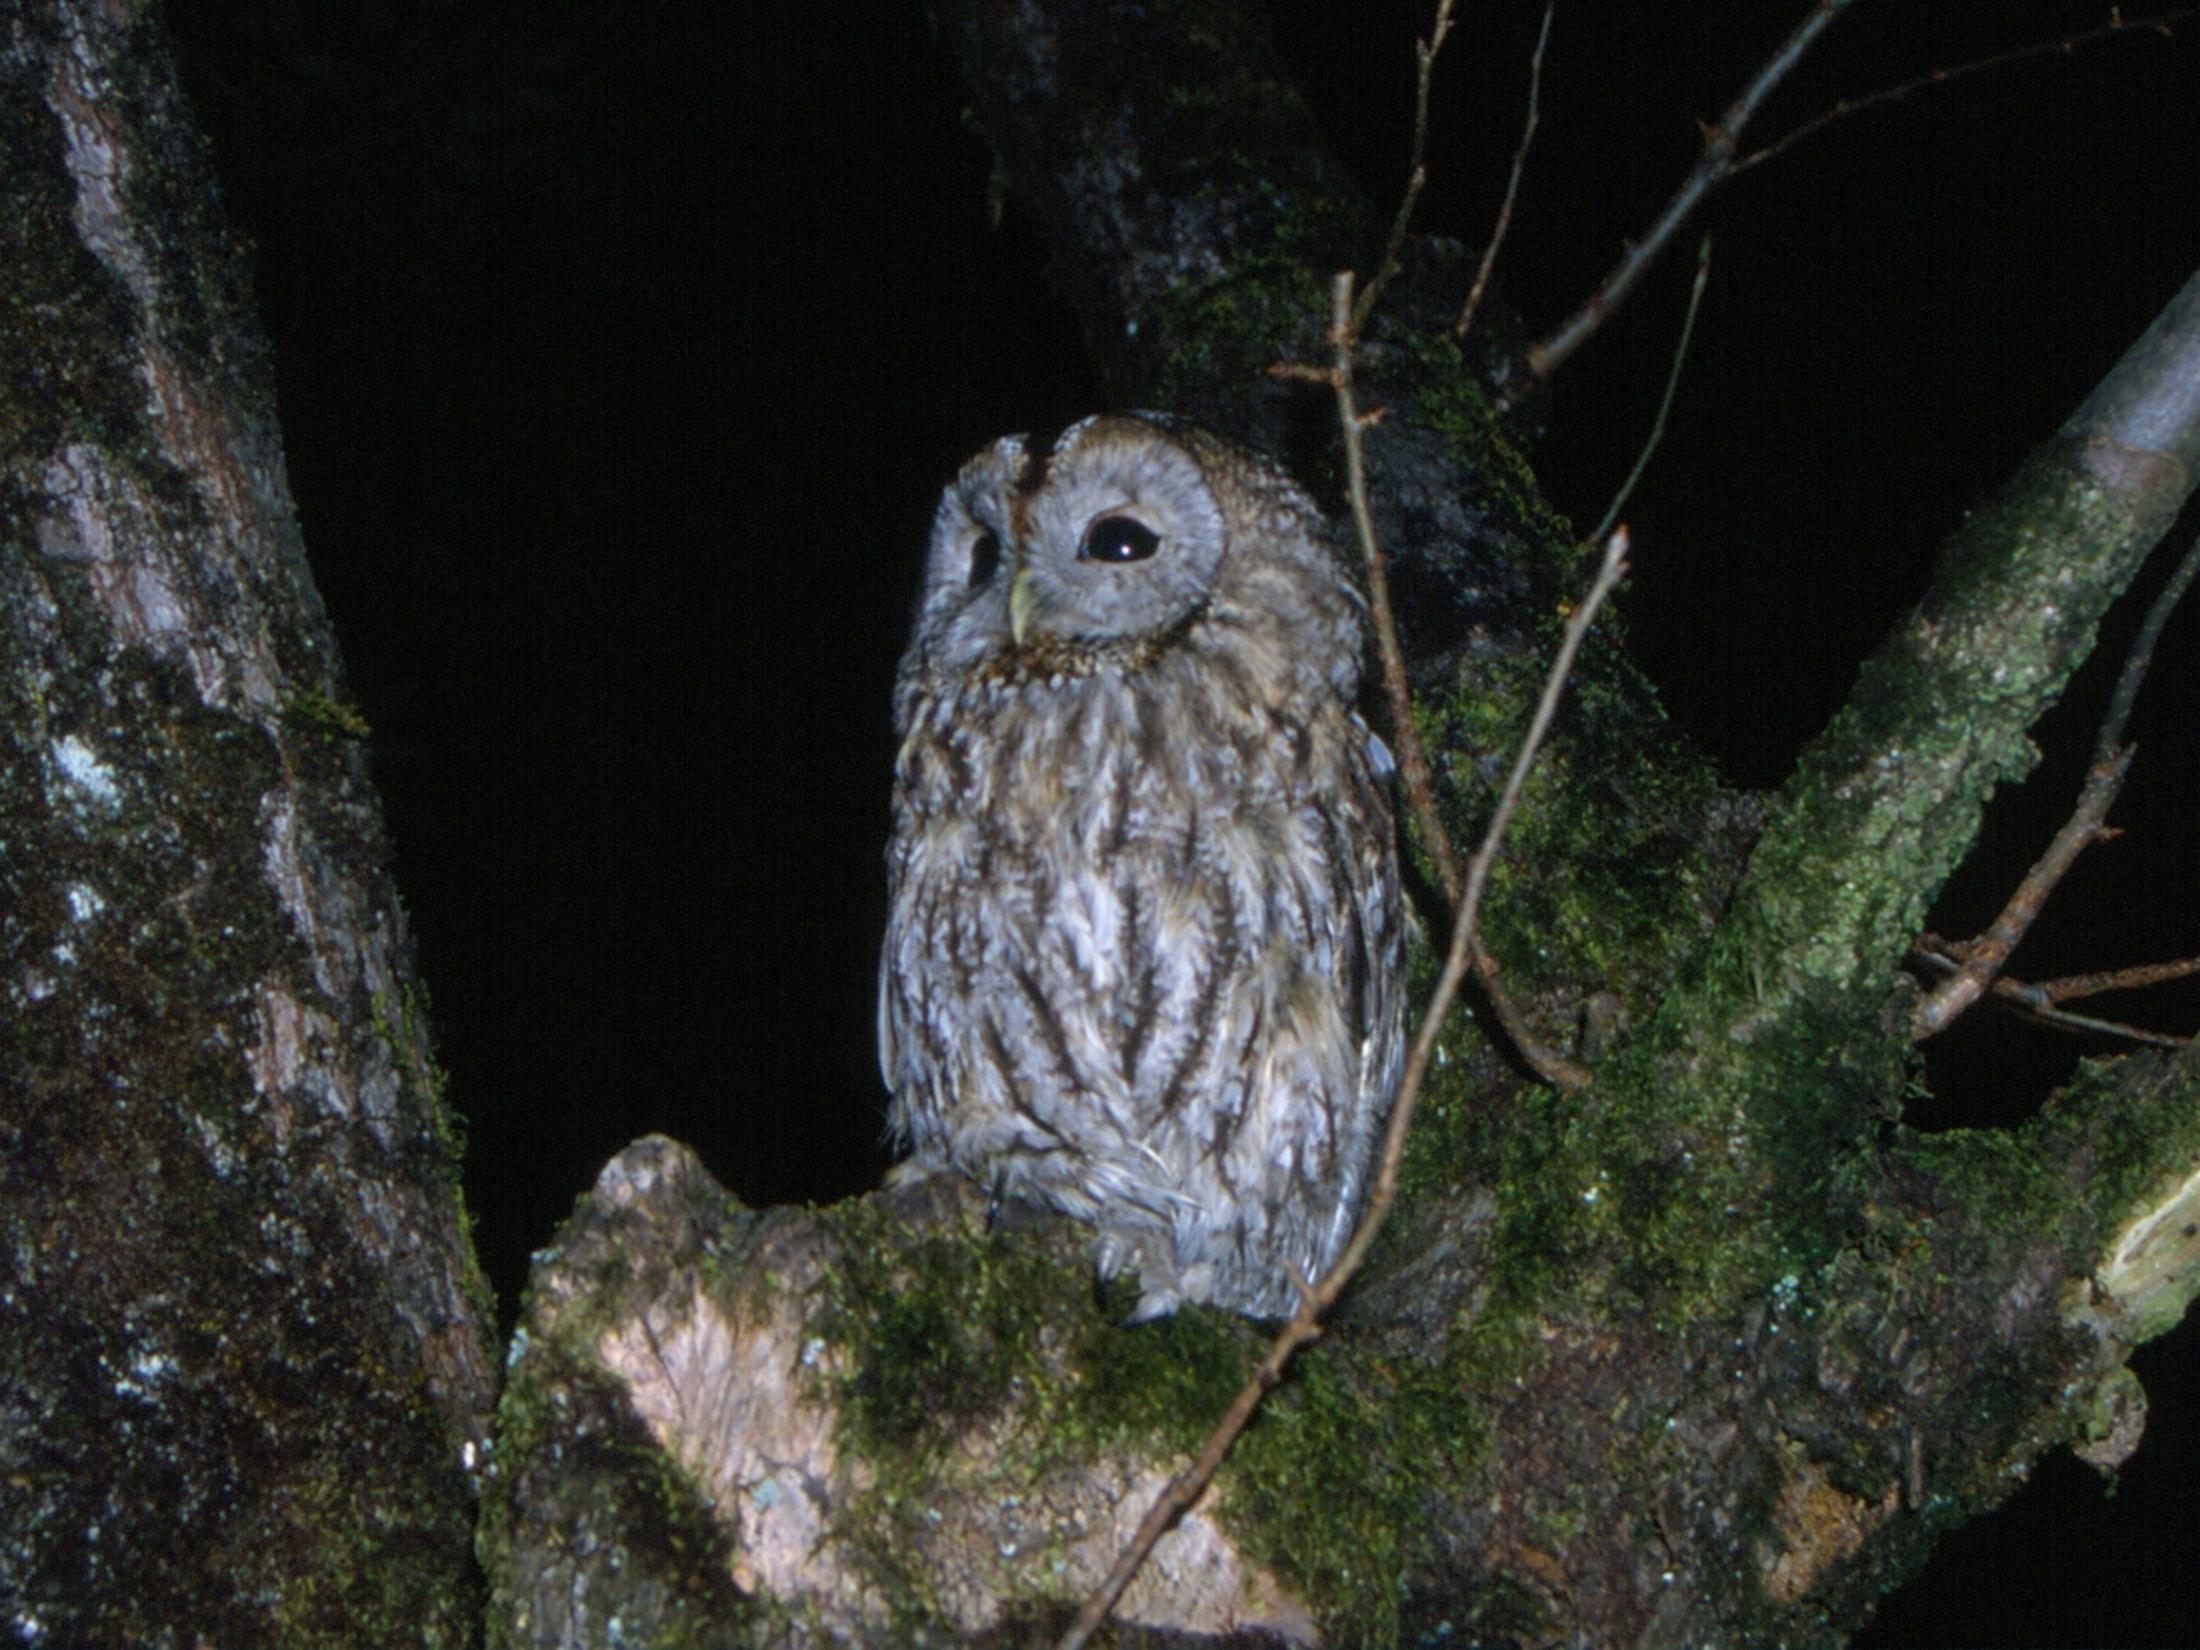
x,y
245,1364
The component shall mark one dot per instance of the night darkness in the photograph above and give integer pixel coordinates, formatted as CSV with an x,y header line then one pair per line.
x,y
623,352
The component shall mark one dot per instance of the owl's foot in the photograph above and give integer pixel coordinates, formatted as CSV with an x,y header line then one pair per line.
x,y
1163,1286
915,1171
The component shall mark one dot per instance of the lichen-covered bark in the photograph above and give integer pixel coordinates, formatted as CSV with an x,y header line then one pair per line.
x,y
243,1349
876,1423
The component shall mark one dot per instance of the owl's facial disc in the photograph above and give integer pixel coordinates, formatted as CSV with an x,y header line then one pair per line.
x,y
1117,538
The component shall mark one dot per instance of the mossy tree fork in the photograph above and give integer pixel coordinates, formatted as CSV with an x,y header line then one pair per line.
x,y
1710,1349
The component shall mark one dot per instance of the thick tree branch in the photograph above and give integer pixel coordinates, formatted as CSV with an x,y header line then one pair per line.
x,y
1887,800
1168,160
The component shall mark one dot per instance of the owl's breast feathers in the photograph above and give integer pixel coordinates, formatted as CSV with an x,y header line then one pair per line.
x,y
1149,884
1046,658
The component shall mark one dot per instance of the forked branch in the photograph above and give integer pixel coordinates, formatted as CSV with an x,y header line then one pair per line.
x,y
2117,24
1721,143
1981,960
1386,267
1475,292
2041,1001
1722,159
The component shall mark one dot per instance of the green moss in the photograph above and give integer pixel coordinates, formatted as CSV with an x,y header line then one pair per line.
x,y
938,1337
401,1022
1332,1486
1162,1383
1447,395
963,1334
935,1342
1229,331
1887,801
310,710
2109,1147
57,383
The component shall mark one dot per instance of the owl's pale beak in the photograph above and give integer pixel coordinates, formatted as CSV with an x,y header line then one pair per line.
x,y
1023,601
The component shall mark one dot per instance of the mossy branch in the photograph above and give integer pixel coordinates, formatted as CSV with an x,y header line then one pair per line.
x,y
1888,800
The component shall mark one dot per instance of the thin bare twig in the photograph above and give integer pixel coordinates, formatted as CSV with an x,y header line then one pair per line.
x,y
2039,1003
2088,823
1720,143
1512,184
1424,53
1413,765
1665,402
2117,979
1983,957
2141,654
2117,24
1315,1300
2061,1019
1555,1069
1414,772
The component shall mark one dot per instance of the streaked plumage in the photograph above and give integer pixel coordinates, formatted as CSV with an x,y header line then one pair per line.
x,y
1144,955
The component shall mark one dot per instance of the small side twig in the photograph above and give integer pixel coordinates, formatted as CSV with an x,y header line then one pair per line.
x,y
2141,654
1465,323
1315,1300
1665,402
2088,823
2117,979
1413,766
1424,54
2117,24
1720,144
1414,772
2040,1002
1983,958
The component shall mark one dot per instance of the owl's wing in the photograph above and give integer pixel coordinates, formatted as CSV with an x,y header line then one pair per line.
x,y
1377,937
1386,765
889,1052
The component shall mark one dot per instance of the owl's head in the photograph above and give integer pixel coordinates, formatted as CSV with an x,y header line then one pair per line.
x,y
1122,535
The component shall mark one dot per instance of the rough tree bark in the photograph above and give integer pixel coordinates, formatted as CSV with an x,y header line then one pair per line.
x,y
1710,1352
244,1346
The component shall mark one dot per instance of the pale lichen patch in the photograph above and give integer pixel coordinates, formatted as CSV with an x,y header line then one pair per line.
x,y
87,780
2153,1269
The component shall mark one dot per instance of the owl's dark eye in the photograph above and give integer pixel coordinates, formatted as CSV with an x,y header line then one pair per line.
x,y
1119,538
985,556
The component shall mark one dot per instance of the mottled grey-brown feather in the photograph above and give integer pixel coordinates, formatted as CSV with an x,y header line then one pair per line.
x,y
1144,959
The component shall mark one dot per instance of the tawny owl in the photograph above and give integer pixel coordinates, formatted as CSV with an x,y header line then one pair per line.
x,y
1144,960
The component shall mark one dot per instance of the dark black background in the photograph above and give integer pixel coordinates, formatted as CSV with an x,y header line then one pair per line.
x,y
623,350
